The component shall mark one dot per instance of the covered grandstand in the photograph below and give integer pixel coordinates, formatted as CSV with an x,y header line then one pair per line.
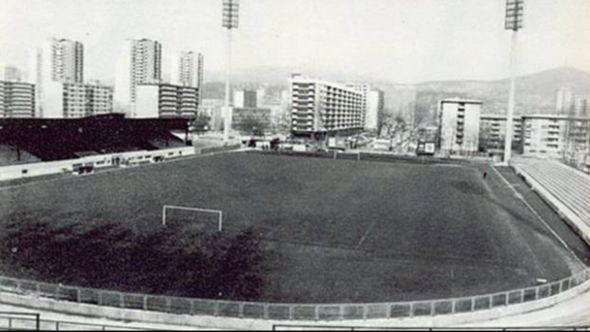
x,y
31,140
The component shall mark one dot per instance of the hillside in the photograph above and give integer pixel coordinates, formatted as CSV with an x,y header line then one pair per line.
x,y
535,92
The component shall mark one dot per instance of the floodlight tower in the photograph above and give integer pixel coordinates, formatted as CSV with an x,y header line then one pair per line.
x,y
514,11
229,21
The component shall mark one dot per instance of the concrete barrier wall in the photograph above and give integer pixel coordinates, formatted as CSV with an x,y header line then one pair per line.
x,y
89,310
98,161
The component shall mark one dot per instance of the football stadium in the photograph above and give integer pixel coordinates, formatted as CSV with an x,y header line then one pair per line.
x,y
336,230
280,235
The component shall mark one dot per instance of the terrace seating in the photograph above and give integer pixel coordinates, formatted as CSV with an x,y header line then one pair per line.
x,y
569,185
10,156
58,139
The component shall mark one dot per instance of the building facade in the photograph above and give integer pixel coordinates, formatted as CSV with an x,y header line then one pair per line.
x,y
11,74
577,146
492,133
80,100
364,89
140,63
245,99
545,135
459,121
17,100
99,98
582,106
322,106
56,62
166,101
375,104
564,98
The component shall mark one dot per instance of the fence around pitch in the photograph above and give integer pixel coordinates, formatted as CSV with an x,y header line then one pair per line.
x,y
279,311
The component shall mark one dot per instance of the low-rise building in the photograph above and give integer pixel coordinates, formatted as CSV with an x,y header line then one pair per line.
x,y
77,100
166,101
544,135
492,133
17,100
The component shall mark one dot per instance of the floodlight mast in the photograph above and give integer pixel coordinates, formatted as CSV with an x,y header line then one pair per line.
x,y
513,22
230,12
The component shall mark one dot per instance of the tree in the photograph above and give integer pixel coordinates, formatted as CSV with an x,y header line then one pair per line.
x,y
252,125
201,123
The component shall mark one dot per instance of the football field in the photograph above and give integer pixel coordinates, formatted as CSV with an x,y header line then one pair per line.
x,y
334,230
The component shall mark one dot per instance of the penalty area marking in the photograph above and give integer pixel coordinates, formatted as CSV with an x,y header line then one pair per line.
x,y
186,208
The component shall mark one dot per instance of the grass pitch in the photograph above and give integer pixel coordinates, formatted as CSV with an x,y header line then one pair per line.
x,y
335,230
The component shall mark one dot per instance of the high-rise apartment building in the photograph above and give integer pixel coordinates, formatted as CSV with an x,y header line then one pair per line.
x,y
56,62
364,89
375,104
140,62
459,126
322,106
17,100
564,99
582,106
10,74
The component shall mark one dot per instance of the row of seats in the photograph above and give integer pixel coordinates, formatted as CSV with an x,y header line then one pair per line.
x,y
569,185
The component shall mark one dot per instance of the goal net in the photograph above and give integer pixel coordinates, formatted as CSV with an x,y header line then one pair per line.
x,y
192,216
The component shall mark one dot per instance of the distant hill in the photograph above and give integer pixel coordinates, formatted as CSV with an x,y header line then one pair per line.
x,y
535,92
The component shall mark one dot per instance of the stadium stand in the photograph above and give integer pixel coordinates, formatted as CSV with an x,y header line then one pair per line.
x,y
59,139
10,155
563,186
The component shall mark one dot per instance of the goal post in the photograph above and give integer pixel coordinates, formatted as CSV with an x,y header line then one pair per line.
x,y
219,213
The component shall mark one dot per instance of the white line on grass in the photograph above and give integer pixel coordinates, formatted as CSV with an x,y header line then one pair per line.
x,y
369,229
521,198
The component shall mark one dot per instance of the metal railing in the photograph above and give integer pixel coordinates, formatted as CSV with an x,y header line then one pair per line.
x,y
9,320
32,321
291,311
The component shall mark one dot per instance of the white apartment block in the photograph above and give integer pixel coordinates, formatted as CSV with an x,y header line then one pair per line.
x,y
545,135
582,106
459,121
322,106
364,89
245,98
140,62
166,101
56,62
17,100
563,100
492,132
187,69
375,104
10,74
79,100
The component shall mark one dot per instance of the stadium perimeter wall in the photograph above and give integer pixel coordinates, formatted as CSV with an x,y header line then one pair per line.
x,y
99,161
40,303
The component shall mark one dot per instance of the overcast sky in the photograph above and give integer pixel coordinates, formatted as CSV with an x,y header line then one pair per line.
x,y
399,40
